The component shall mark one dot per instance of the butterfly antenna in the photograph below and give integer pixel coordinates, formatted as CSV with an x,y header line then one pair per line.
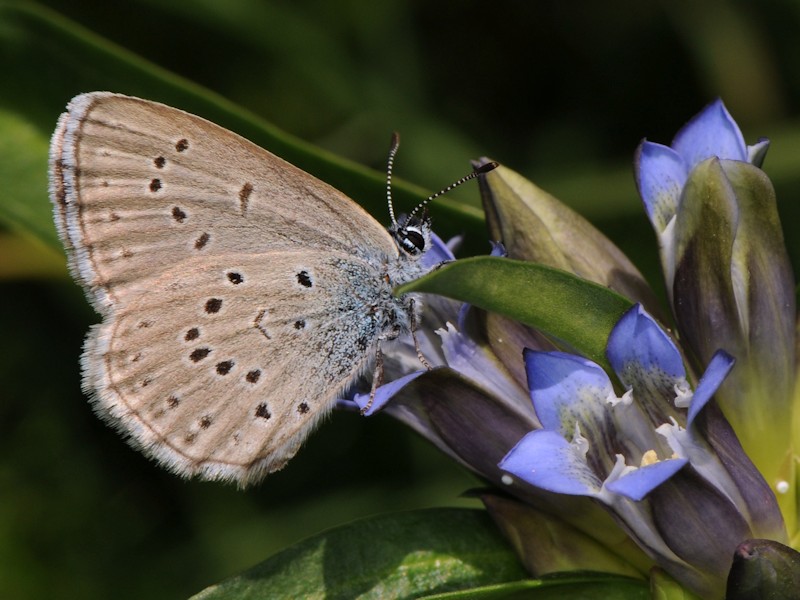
x,y
389,166
395,144
485,168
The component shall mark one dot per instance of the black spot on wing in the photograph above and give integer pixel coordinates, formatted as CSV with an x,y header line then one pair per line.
x,y
213,305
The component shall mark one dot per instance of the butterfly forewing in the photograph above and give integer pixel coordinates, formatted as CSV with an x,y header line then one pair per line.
x,y
142,186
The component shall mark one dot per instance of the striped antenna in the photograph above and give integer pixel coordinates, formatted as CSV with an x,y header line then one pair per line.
x,y
389,166
395,144
490,166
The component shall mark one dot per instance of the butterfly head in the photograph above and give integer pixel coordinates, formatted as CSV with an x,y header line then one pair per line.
x,y
412,233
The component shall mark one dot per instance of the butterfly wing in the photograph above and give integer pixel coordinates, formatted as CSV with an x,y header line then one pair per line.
x,y
139,187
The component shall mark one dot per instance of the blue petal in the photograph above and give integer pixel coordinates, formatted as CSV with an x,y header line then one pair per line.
x,y
438,253
712,132
384,393
640,482
548,461
563,387
498,249
660,176
476,362
637,343
716,372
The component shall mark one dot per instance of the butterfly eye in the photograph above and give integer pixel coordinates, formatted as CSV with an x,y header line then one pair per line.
x,y
412,240
412,234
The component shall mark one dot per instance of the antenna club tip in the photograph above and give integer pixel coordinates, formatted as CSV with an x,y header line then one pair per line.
x,y
489,166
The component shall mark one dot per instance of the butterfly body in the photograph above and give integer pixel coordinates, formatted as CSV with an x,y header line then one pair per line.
x,y
240,296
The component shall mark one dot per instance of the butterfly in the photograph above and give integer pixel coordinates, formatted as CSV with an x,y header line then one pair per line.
x,y
240,296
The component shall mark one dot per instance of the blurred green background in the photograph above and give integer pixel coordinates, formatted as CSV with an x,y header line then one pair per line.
x,y
561,91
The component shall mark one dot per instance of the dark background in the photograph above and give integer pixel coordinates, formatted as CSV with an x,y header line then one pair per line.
x,y
561,91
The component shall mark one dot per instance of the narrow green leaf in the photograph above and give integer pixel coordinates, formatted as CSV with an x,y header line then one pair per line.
x,y
575,313
404,555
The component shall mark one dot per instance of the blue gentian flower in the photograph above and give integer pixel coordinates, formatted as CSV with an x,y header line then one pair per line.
x,y
620,448
728,275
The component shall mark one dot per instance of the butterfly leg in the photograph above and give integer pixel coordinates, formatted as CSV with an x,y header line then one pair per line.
x,y
377,378
420,355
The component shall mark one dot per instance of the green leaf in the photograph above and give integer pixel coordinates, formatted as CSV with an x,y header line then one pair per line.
x,y
51,59
577,314
405,555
